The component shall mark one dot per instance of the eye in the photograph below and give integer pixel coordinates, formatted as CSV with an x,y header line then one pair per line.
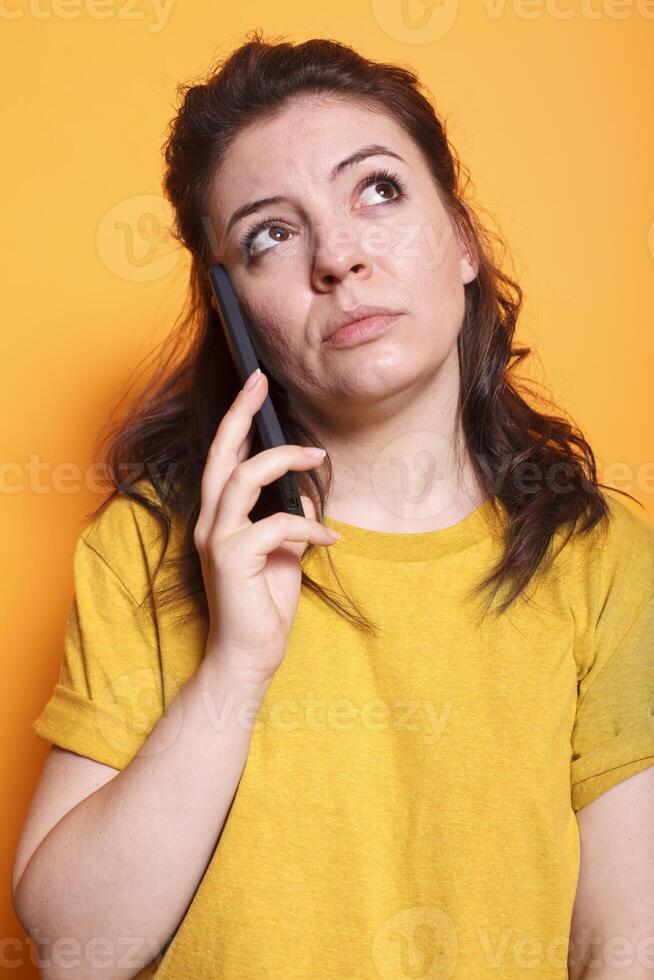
x,y
248,241
384,177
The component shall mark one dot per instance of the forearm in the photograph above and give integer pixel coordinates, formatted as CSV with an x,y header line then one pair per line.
x,y
627,971
609,973
622,954
125,862
617,973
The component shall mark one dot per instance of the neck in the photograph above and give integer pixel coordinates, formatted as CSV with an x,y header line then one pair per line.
x,y
400,463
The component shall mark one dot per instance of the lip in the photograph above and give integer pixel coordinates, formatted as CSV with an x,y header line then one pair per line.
x,y
360,331
364,318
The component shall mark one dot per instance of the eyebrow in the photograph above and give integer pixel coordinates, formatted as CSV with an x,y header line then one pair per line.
x,y
373,150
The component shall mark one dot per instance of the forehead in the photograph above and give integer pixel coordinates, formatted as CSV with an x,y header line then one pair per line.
x,y
297,147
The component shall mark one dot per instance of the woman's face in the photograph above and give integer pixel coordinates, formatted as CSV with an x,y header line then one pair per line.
x,y
337,241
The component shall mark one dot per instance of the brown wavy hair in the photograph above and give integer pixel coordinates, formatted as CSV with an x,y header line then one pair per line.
x,y
170,425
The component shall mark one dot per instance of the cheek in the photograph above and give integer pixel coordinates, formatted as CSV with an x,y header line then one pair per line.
x,y
437,256
419,251
439,292
272,327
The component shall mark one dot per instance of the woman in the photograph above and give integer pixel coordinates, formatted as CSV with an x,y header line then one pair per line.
x,y
390,778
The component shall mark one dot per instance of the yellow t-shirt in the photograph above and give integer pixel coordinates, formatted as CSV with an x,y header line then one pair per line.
x,y
407,808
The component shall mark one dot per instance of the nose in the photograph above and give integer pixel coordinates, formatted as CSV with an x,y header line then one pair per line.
x,y
338,253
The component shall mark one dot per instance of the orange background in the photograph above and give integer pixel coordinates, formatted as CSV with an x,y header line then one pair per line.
x,y
548,105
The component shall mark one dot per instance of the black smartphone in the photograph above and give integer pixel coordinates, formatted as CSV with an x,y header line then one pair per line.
x,y
240,341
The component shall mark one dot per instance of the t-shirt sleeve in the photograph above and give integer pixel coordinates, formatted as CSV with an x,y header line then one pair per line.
x,y
109,692
613,733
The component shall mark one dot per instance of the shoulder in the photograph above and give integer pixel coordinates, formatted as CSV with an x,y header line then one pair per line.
x,y
127,537
630,536
609,573
623,542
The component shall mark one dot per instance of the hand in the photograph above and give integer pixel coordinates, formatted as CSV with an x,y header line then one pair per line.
x,y
251,571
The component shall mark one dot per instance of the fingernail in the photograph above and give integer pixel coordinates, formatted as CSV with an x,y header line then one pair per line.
x,y
314,451
252,380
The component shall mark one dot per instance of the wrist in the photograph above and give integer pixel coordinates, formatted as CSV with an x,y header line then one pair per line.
x,y
221,671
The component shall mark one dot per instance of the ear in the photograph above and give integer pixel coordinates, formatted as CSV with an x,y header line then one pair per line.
x,y
468,259
468,268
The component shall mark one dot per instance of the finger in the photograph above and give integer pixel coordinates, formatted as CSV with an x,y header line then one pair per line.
x,y
223,454
242,489
246,445
308,507
256,542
